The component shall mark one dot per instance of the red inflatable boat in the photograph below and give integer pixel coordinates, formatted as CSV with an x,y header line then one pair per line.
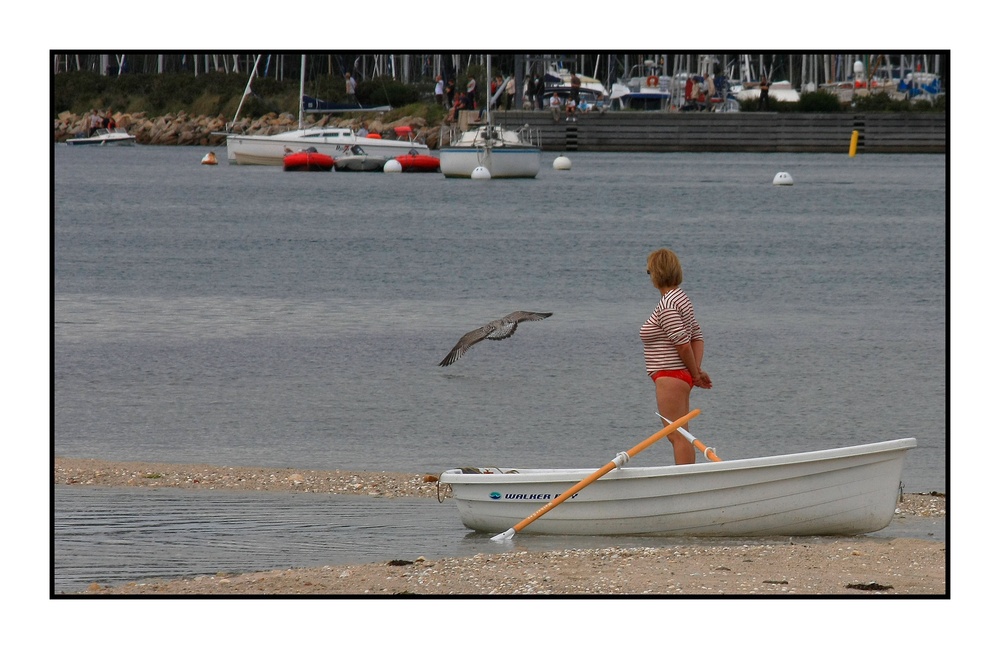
x,y
307,161
413,161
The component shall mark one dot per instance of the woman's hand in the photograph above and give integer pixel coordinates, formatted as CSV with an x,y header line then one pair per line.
x,y
702,380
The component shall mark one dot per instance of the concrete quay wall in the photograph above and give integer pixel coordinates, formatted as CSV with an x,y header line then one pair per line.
x,y
736,132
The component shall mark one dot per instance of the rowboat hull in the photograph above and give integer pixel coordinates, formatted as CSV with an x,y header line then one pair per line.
x,y
845,491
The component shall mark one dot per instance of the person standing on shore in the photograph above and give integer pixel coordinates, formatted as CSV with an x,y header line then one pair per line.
x,y
350,86
673,346
574,88
449,94
764,85
439,91
470,91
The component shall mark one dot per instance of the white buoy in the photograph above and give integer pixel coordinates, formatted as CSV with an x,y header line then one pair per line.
x,y
783,178
562,163
481,173
392,166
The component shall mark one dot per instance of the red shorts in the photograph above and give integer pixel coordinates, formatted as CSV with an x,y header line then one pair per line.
x,y
683,375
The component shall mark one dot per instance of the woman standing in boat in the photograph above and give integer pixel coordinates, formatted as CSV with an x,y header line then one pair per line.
x,y
673,347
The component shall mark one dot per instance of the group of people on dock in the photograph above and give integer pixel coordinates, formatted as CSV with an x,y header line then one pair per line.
x,y
705,92
505,92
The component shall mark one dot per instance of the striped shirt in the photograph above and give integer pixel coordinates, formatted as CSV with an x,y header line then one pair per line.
x,y
672,323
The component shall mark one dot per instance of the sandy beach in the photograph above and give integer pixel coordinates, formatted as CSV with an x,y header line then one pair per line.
x,y
836,566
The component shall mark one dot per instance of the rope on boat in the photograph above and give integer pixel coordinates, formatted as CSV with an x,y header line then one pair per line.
x,y
440,499
471,469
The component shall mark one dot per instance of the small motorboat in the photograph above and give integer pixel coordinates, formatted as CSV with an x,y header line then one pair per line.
x,y
104,137
416,162
357,160
210,159
307,160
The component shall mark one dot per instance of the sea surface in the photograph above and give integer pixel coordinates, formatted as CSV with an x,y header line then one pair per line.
x,y
243,316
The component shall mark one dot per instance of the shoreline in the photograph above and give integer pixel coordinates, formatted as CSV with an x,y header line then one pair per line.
x,y
105,473
386,484
813,566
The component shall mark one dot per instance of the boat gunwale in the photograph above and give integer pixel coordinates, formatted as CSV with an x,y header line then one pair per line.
x,y
455,476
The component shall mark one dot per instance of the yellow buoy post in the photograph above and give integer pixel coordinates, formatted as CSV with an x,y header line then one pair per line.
x,y
854,143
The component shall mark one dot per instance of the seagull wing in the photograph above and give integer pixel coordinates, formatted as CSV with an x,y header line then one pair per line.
x,y
521,316
465,342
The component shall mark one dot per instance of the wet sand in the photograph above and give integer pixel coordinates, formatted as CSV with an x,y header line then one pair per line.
x,y
837,566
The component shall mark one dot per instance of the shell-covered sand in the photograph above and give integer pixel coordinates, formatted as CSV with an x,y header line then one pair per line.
x,y
840,566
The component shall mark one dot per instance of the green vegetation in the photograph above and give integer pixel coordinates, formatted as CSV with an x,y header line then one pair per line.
x,y
818,102
216,93
824,102
882,103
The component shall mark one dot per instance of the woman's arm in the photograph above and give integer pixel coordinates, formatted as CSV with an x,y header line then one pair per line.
x,y
691,353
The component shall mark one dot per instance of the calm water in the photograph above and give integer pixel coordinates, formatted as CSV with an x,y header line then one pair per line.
x,y
245,316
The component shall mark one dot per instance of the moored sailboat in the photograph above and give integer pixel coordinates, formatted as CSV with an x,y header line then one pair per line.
x,y
331,141
502,152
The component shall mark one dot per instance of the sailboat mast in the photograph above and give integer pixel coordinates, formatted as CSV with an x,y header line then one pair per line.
x,y
246,90
489,77
302,91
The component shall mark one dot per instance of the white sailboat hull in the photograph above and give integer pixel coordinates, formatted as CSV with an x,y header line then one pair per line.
x,y
843,491
270,149
502,162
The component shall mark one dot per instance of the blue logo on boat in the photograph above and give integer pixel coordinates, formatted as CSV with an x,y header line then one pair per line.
x,y
495,495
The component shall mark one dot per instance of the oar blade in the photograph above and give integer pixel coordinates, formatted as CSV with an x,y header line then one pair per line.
x,y
504,536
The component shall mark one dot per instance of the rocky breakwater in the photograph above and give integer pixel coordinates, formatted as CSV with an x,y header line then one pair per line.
x,y
200,130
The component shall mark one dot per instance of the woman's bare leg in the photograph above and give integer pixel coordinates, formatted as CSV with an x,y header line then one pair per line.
x,y
673,399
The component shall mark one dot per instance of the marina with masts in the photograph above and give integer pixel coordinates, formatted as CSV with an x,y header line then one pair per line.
x,y
804,72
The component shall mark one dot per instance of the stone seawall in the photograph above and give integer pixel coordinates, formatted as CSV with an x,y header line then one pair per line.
x,y
612,131
199,130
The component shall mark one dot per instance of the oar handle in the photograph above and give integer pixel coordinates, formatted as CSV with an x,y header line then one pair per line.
x,y
663,432
632,452
709,452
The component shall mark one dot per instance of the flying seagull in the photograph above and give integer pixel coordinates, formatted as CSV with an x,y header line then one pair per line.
x,y
496,330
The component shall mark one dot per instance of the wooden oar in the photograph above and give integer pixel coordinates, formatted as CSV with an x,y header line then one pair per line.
x,y
709,452
616,463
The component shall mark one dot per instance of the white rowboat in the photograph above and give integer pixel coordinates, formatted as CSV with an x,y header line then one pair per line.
x,y
843,491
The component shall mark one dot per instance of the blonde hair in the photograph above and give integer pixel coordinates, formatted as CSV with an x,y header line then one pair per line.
x,y
664,268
